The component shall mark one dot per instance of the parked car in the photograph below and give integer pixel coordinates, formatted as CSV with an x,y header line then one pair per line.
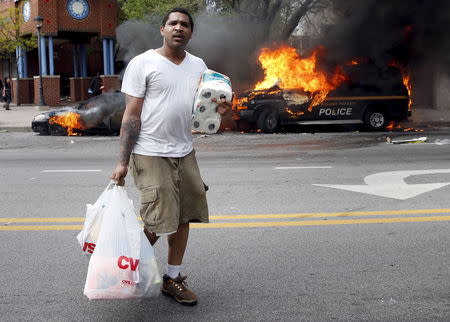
x,y
99,114
370,97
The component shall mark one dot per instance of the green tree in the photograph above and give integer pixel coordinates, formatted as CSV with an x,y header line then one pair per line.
x,y
138,9
11,38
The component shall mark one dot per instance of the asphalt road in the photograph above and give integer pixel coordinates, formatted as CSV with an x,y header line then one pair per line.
x,y
283,245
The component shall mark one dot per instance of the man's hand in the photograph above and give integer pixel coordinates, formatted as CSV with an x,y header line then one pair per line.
x,y
119,173
223,106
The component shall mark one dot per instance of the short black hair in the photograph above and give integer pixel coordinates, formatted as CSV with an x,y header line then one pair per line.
x,y
180,10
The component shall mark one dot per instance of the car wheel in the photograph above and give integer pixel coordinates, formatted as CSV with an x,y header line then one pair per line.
x,y
268,121
43,131
375,120
56,130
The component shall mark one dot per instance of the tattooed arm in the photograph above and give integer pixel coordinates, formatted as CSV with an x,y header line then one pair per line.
x,y
129,133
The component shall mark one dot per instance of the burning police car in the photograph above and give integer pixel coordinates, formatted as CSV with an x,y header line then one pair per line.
x,y
296,89
100,114
368,97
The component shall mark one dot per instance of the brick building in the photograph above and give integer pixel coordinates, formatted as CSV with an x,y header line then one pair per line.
x,y
77,42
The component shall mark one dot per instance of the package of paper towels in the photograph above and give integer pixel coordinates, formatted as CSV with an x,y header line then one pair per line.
x,y
212,85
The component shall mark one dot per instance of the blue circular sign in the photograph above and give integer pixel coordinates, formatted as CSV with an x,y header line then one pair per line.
x,y
78,9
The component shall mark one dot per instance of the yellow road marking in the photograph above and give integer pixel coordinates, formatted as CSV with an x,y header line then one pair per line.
x,y
321,222
260,216
69,219
334,214
263,224
47,227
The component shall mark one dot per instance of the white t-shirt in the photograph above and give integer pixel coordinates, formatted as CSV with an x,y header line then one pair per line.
x,y
168,90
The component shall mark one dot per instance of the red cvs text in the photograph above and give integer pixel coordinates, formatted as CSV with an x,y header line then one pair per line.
x,y
89,247
125,262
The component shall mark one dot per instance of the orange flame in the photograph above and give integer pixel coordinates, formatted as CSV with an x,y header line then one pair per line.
x,y
396,126
292,113
357,61
406,80
237,103
393,126
68,120
411,129
287,69
407,83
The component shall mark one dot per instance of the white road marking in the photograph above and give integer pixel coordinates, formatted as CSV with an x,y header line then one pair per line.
x,y
392,185
54,171
293,168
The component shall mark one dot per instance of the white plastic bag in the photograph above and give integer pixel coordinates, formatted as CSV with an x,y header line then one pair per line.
x,y
87,238
123,265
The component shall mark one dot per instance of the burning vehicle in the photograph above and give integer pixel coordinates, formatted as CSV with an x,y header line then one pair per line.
x,y
294,91
99,114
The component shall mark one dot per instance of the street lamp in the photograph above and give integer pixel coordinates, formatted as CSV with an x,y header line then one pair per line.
x,y
39,20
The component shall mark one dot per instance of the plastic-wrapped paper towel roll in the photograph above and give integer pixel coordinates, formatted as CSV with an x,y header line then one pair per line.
x,y
212,85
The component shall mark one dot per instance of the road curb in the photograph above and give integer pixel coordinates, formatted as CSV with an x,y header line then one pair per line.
x,y
18,128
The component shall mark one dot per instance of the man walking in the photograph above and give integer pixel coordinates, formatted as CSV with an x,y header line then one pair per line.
x,y
96,85
160,86
7,93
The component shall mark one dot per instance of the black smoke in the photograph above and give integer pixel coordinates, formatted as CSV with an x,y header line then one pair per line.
x,y
101,107
227,43
99,110
135,37
410,32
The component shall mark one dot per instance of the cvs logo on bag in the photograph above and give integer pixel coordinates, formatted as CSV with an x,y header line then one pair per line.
x,y
124,262
88,247
126,282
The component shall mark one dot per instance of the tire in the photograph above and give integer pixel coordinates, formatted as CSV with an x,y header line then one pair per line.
x,y
375,120
56,130
43,130
268,120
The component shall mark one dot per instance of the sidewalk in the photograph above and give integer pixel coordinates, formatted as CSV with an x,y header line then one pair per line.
x,y
19,118
426,118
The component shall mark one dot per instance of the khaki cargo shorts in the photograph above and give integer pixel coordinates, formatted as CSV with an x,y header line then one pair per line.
x,y
171,191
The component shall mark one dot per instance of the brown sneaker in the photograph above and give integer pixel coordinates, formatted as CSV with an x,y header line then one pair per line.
x,y
177,288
